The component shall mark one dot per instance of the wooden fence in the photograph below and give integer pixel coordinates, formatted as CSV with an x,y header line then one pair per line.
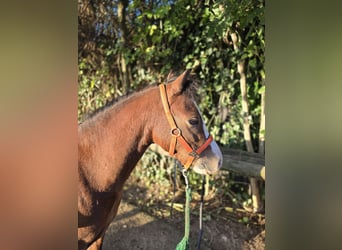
x,y
238,161
243,162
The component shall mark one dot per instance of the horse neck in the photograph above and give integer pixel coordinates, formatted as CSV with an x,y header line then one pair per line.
x,y
120,137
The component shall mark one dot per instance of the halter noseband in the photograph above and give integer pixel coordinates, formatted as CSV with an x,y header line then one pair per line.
x,y
176,133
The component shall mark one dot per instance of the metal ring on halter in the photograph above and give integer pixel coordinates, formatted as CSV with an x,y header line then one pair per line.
x,y
176,132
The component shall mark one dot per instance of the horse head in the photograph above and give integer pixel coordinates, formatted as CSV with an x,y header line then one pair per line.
x,y
181,130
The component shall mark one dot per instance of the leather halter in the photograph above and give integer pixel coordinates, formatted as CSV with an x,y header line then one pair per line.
x,y
176,133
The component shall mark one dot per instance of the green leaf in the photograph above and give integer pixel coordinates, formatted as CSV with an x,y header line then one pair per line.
x,y
245,219
152,29
261,90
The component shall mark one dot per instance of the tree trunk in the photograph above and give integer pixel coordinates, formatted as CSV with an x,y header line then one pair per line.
x,y
262,133
262,125
246,126
122,5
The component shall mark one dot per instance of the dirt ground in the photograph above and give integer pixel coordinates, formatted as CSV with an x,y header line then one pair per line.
x,y
142,225
136,230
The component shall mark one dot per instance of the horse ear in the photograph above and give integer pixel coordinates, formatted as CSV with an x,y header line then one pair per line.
x,y
180,84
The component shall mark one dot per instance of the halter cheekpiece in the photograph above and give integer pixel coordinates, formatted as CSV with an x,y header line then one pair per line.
x,y
176,133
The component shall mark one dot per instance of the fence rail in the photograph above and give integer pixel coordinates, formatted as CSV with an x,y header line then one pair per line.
x,y
238,161
243,162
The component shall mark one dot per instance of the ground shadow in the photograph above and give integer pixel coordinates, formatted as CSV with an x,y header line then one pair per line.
x,y
133,229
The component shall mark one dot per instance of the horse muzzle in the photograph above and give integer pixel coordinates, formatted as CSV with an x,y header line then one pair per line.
x,y
210,161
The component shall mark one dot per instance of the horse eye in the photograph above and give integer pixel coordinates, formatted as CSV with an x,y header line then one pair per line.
x,y
194,121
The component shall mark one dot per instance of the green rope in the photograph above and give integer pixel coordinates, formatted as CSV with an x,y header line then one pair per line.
x,y
184,243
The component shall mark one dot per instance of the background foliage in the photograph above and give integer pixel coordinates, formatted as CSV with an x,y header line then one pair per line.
x,y
127,45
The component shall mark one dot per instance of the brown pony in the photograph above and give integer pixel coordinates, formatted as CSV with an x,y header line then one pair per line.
x,y
111,143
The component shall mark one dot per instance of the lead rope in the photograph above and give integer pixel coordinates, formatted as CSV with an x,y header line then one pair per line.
x,y
174,180
200,215
184,243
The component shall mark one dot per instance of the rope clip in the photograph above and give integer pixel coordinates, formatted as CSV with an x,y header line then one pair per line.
x,y
185,175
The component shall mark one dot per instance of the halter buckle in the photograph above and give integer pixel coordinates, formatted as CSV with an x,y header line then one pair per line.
x,y
194,154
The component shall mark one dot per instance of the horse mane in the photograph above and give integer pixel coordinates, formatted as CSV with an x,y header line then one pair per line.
x,y
190,91
113,102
